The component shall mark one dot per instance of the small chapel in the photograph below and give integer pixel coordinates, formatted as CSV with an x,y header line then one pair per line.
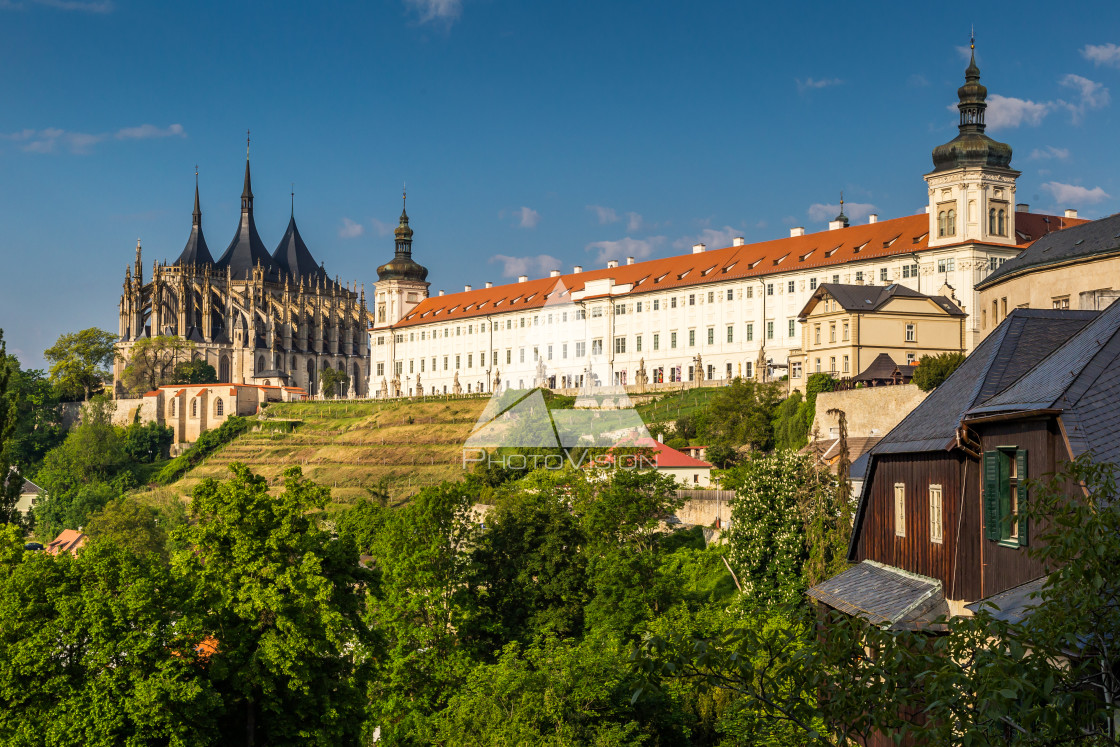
x,y
257,317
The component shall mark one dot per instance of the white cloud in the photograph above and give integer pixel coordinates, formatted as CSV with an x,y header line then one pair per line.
x,y
383,229
1102,54
350,229
1050,151
447,11
1090,95
53,139
634,221
606,214
820,211
527,217
811,83
917,80
1071,194
1008,111
623,248
146,131
965,53
531,265
713,238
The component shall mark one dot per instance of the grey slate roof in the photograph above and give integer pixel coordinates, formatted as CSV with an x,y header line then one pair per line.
x,y
1024,338
246,251
883,595
1013,605
1098,238
1082,379
883,367
872,297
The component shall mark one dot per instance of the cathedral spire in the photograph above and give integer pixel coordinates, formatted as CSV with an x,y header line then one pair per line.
x,y
247,192
197,215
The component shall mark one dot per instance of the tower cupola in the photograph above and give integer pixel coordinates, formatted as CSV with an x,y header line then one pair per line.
x,y
971,147
402,266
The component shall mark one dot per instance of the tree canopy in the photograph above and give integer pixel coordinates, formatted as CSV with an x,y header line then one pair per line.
x,y
80,362
934,369
152,362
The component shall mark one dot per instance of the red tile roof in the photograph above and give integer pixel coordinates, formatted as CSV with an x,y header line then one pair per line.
x,y
667,456
887,238
69,541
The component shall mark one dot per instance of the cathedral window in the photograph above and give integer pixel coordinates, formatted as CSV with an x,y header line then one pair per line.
x,y
219,407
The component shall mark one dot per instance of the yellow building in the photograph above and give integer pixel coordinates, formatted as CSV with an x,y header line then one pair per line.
x,y
1074,269
846,327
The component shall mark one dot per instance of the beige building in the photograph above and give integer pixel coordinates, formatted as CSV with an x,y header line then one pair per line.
x,y
191,409
846,327
1074,269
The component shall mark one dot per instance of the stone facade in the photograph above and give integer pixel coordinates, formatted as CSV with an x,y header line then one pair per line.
x,y
870,412
191,409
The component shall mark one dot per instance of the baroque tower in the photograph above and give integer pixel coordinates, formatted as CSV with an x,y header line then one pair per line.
x,y
972,185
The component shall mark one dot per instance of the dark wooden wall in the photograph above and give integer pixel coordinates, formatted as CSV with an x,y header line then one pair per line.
x,y
914,552
1005,567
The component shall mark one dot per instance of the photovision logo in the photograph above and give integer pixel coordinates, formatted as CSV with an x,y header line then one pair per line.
x,y
565,350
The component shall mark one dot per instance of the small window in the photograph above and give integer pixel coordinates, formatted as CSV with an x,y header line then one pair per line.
x,y
790,287
883,274
194,407
730,294
911,333
219,407
812,283
792,328
711,335
731,333
899,509
936,531
769,330
173,406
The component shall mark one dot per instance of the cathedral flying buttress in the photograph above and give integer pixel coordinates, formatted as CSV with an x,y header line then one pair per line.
x,y
256,317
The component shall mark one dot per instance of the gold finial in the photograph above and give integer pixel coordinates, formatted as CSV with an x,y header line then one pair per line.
x,y
404,195
972,38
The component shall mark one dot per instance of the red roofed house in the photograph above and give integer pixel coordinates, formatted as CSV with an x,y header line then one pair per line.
x,y
686,470
71,540
191,409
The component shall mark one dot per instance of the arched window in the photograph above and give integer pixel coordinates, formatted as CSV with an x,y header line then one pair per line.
x,y
992,221
223,369
951,222
1002,225
941,223
171,408
194,407
260,364
219,407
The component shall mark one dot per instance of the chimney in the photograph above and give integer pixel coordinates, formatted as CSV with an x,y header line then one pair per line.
x,y
1071,213
835,224
441,293
522,278
1022,207
466,288
577,269
698,248
630,260
927,209
554,273
798,231
738,241
489,284
873,218
612,263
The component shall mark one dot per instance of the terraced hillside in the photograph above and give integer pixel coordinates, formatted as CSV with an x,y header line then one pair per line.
x,y
348,446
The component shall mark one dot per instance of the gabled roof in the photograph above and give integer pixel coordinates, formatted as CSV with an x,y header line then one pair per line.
x,y
884,367
883,240
865,298
70,540
1023,339
293,258
1082,379
1078,242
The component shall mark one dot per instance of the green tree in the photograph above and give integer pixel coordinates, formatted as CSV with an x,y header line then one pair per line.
x,y
38,417
285,602
10,484
151,362
934,369
132,525
767,535
92,651
148,442
427,598
196,371
80,362
740,413
333,382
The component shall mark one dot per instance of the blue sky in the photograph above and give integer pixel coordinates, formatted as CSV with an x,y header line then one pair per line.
x,y
532,135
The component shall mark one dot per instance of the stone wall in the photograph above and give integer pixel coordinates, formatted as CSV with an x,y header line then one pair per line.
x,y
871,411
703,507
126,410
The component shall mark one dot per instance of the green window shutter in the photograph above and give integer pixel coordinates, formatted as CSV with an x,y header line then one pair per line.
x,y
992,529
1021,471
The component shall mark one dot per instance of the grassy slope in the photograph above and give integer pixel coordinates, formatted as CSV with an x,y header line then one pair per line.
x,y
349,446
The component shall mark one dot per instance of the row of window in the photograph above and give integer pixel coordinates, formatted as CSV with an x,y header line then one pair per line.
x,y
219,407
947,222
910,334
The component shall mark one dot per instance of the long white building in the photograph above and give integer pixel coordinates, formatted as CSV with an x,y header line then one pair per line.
x,y
711,314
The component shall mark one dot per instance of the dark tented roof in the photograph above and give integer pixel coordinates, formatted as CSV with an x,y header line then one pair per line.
x,y
293,258
246,251
195,252
1079,242
883,367
884,595
1024,338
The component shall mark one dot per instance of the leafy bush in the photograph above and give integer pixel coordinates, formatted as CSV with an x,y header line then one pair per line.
x,y
207,444
934,369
